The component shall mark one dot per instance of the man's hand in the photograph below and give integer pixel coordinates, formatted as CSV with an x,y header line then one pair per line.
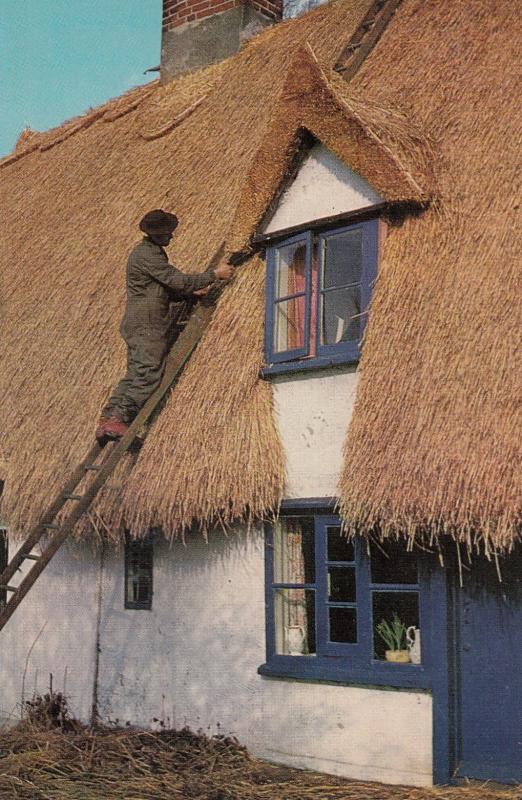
x,y
201,292
224,271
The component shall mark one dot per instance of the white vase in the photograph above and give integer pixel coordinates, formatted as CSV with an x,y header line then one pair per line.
x,y
413,639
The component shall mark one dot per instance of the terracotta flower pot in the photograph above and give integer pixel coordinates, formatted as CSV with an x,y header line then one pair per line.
x,y
398,656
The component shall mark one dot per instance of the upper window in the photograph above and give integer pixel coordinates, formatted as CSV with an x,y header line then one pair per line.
x,y
343,610
318,293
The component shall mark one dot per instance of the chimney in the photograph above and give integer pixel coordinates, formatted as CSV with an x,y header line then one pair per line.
x,y
196,33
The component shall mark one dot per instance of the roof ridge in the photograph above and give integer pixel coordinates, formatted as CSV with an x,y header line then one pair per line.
x,y
45,140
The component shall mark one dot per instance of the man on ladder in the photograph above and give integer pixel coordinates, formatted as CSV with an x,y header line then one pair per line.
x,y
147,326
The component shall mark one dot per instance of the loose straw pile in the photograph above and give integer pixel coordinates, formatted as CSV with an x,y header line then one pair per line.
x,y
124,764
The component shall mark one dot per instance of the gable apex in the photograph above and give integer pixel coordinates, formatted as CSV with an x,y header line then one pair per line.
x,y
323,187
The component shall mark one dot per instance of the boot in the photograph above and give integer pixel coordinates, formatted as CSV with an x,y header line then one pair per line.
x,y
110,428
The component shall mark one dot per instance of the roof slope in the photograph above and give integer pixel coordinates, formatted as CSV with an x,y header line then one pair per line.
x,y
71,213
434,444
435,435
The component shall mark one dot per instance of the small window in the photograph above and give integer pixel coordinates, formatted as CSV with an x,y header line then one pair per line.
x,y
317,296
329,600
138,573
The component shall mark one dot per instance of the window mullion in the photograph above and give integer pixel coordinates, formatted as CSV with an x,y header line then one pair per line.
x,y
321,612
364,603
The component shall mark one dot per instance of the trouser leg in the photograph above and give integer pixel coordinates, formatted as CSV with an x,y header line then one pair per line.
x,y
145,363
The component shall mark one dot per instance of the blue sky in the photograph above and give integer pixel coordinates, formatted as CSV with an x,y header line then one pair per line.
x,y
59,57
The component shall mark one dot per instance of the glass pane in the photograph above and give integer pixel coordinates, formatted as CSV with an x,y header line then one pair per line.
x,y
339,548
341,584
340,315
392,563
400,610
290,269
342,259
343,625
289,330
294,621
294,550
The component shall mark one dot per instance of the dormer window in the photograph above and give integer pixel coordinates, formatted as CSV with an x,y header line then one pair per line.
x,y
319,286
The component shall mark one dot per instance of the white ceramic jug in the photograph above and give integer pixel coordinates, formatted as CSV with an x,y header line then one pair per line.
x,y
295,637
413,639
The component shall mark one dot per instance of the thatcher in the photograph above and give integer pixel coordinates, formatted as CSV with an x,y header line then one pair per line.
x,y
434,444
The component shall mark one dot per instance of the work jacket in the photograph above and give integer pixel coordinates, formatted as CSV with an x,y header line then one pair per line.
x,y
152,285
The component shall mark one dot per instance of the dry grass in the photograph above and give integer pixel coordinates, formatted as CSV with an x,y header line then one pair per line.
x,y
37,764
434,445
434,441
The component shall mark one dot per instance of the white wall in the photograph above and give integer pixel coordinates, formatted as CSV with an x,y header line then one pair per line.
x,y
52,631
323,187
313,410
193,661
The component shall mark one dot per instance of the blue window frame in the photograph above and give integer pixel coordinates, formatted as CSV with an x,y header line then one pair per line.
x,y
325,597
318,291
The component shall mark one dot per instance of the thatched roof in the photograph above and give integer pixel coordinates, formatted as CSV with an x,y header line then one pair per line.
x,y
431,114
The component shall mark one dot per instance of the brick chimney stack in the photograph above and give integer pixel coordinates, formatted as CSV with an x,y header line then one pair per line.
x,y
196,33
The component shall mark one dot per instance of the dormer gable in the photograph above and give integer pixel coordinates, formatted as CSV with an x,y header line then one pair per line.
x,y
314,107
324,187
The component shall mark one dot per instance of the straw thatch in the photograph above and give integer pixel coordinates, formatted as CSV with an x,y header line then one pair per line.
x,y
71,212
433,438
377,143
434,445
126,764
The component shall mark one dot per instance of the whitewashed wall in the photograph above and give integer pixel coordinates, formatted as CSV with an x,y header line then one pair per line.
x,y
193,661
52,631
313,411
323,187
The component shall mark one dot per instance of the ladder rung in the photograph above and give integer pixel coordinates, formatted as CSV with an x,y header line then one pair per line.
x,y
32,557
52,526
9,588
94,467
73,496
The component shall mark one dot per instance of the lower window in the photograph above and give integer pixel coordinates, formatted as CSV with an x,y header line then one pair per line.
x,y
138,573
344,610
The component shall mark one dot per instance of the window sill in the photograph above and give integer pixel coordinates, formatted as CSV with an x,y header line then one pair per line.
x,y
397,676
308,364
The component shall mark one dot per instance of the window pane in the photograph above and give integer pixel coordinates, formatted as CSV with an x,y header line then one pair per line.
x,y
392,563
294,550
340,315
342,259
295,621
289,331
290,269
387,605
343,625
339,548
138,574
341,584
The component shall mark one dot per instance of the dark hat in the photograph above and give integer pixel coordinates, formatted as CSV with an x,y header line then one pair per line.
x,y
158,221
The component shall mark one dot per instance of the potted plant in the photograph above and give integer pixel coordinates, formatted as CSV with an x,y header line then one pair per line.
x,y
393,635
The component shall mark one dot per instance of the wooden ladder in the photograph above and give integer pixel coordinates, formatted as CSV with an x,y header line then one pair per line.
x,y
365,37
99,470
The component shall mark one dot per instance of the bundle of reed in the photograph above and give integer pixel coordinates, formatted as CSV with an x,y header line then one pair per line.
x,y
127,764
